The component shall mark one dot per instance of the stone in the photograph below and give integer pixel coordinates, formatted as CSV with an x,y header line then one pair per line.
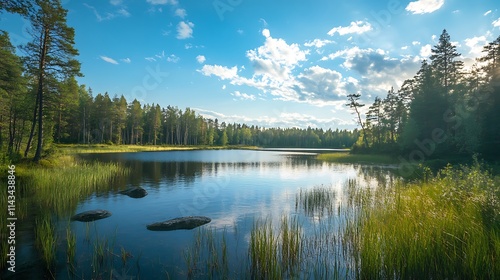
x,y
92,215
188,222
135,192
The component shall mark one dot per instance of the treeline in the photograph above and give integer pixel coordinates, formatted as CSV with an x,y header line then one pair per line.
x,y
443,110
41,102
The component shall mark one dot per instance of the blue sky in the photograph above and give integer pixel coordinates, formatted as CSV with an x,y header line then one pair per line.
x,y
269,63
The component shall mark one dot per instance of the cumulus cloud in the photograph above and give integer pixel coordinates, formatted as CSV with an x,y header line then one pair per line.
x,y
185,30
356,27
424,6
222,72
201,59
476,45
108,59
426,50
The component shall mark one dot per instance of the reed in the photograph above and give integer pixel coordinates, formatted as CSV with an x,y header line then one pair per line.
x,y
45,239
447,226
343,157
316,202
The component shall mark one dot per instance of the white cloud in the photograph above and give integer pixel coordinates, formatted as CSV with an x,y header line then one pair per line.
x,y
318,43
415,43
487,13
201,59
476,45
115,2
424,6
126,60
181,13
404,47
185,30
426,51
173,58
496,23
162,2
107,16
357,27
123,12
279,119
243,96
276,58
263,21
108,59
220,71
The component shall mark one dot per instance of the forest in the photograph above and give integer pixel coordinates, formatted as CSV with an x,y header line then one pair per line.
x,y
445,109
42,103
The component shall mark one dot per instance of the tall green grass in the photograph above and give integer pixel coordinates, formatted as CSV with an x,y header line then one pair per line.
x,y
345,157
60,187
445,227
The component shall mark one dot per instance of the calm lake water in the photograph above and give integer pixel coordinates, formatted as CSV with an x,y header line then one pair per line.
x,y
232,187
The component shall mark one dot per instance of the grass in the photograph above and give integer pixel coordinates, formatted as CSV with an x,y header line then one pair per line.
x,y
53,189
341,157
45,239
446,227
60,187
316,202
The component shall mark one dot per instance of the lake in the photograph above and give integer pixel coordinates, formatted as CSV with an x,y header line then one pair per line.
x,y
237,189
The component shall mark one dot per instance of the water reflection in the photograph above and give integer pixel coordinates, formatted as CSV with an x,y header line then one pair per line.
x,y
232,187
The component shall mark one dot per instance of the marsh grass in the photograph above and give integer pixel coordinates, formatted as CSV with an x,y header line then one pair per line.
x,y
45,239
316,202
59,189
345,157
447,226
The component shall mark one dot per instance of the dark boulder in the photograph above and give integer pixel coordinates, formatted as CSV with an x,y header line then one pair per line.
x,y
92,215
135,192
189,222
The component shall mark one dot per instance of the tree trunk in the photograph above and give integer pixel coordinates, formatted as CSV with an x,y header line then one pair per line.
x,y
32,131
43,50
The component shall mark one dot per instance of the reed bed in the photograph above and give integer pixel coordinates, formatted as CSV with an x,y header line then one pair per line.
x,y
446,227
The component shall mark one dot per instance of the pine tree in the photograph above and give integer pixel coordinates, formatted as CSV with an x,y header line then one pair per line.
x,y
50,55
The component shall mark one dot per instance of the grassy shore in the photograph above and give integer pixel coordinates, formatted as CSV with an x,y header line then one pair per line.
x,y
102,148
346,157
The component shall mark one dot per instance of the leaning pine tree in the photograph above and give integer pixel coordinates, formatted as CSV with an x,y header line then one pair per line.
x,y
50,57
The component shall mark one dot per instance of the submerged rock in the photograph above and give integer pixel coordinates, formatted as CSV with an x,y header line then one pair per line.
x,y
92,215
135,192
189,222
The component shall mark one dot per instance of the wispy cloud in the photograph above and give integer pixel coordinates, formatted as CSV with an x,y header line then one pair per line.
x,y
424,6
107,16
496,23
243,96
487,13
108,59
162,2
318,43
185,30
126,60
356,27
181,13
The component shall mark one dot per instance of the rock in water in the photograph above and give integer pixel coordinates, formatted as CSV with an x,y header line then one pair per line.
x,y
135,192
189,222
92,215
